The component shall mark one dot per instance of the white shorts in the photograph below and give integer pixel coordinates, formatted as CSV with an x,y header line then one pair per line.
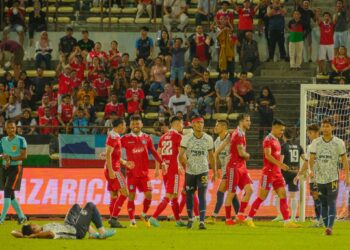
x,y
326,52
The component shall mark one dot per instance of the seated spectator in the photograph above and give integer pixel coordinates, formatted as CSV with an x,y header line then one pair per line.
x,y
175,12
144,46
164,43
243,91
28,83
76,81
37,22
179,102
191,95
26,124
9,81
85,43
225,14
158,78
65,83
134,98
43,49
114,106
340,66
178,62
62,63
223,93
23,95
127,66
265,105
80,122
94,68
99,53
15,21
101,86
48,91
86,90
249,53
88,108
12,53
39,83
206,95
65,112
142,6
205,10
115,57
119,88
138,75
47,104
165,97
48,123
194,73
296,41
67,43
13,108
141,66
4,96
200,43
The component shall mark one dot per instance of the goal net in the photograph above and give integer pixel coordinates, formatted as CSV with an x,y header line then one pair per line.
x,y
318,102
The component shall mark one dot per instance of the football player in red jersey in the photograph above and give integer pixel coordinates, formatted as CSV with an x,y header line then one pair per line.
x,y
272,176
168,148
137,145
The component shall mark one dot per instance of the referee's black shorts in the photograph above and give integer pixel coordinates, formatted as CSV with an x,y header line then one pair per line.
x,y
11,177
196,181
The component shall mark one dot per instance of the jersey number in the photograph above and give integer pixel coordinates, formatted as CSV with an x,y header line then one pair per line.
x,y
167,148
294,155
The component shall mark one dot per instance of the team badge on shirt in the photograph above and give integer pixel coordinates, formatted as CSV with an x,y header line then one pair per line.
x,y
144,142
14,148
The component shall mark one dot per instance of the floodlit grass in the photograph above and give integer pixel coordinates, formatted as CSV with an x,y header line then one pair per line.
x,y
267,235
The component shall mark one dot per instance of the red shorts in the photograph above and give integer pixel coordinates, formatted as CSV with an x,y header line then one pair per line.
x,y
171,183
143,184
237,177
272,180
117,183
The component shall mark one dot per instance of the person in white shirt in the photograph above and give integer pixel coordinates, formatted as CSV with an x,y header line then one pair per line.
x,y
179,102
175,11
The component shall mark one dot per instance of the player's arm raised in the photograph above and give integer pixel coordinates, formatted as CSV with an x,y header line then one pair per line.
x,y
242,153
273,160
109,151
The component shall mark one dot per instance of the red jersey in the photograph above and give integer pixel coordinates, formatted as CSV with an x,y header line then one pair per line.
x,y
66,111
114,63
101,87
200,48
114,141
169,144
45,122
118,108
237,138
326,33
79,68
76,82
102,55
245,18
64,84
41,111
340,63
228,15
273,143
92,76
134,106
137,147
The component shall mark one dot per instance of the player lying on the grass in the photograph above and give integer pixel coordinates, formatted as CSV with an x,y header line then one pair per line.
x,y
326,152
221,159
313,132
272,176
75,226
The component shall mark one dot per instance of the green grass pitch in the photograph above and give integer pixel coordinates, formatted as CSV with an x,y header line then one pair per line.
x,y
267,235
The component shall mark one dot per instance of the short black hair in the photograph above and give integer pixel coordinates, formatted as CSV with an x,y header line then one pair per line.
x,y
10,121
144,28
135,118
125,54
278,122
242,116
69,28
328,120
118,121
27,230
225,2
174,119
180,39
288,133
134,80
244,73
313,127
84,31
223,122
327,13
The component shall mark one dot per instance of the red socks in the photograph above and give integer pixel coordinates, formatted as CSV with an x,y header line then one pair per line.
x,y
161,207
228,212
255,207
146,205
195,205
175,208
243,207
131,210
112,205
118,204
284,208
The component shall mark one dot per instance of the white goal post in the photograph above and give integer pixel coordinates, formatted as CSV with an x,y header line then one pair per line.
x,y
318,101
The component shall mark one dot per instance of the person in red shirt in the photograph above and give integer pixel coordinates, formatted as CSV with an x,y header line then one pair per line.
x,y
114,106
46,104
116,182
199,46
99,53
226,13
137,145
52,95
94,68
65,111
340,66
101,85
115,57
65,82
168,149
76,81
243,91
134,97
272,175
78,65
48,123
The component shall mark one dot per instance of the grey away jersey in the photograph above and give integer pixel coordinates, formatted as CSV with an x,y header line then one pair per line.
x,y
61,231
224,155
327,156
197,152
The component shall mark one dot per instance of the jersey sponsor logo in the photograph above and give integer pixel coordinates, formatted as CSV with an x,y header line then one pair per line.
x,y
197,153
138,150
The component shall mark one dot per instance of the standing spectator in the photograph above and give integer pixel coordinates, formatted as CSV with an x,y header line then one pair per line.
x,y
306,16
95,67
143,69
243,91
85,43
178,62
296,43
227,46
99,53
175,11
205,10
39,83
276,13
206,95
43,49
67,43
326,40
108,125
101,86
85,90
225,14
65,112
200,46
15,22
142,6
264,20
114,106
48,123
77,63
265,105
134,98
37,22
223,93
24,95
80,122
52,95
249,53
165,97
76,81
194,73
340,20
64,83
26,125
340,66
115,57
46,104
179,102
144,46
158,78
16,52
164,43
